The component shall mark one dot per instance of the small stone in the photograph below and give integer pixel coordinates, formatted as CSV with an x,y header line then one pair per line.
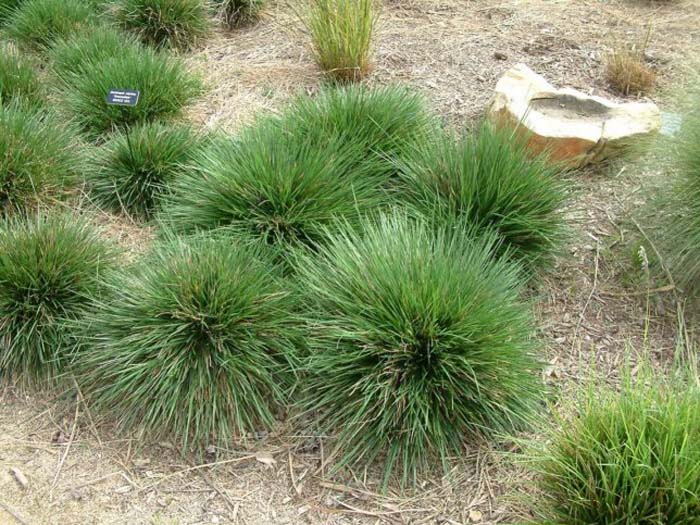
x,y
19,477
500,56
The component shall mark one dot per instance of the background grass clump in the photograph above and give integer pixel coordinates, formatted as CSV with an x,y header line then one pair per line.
x,y
341,33
179,24
37,24
18,78
50,268
418,339
164,82
197,342
273,186
234,13
384,122
132,171
489,179
630,456
38,156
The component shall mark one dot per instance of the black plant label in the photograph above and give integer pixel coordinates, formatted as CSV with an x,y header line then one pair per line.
x,y
123,97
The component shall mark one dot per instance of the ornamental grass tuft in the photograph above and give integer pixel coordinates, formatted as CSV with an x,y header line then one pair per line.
x,y
629,456
50,268
18,79
36,24
179,24
133,170
196,342
492,181
418,339
234,13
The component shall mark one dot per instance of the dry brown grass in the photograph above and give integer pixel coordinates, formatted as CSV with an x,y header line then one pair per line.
x,y
626,71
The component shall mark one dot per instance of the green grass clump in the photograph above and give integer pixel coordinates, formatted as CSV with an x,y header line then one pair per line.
x,y
133,170
274,186
492,181
418,339
38,155
38,23
341,33
179,24
628,457
164,82
7,8
50,268
18,79
235,13
74,54
385,122
197,342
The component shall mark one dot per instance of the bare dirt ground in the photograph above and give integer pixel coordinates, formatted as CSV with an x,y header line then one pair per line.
x,y
592,308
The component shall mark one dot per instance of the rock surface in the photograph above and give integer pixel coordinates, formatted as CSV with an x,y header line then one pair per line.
x,y
575,128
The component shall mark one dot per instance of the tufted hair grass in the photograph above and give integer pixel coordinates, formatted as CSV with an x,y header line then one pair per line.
x,y
234,13
18,78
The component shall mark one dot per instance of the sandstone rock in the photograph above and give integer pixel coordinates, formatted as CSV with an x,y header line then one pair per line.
x,y
573,127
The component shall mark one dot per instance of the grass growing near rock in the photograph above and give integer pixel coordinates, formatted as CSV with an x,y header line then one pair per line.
x,y
626,71
341,34
18,80
629,457
38,23
50,267
196,342
274,186
408,356
179,24
37,155
234,13
492,181
165,85
384,122
132,171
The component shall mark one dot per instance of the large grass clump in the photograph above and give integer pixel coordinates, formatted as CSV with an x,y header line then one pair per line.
x,y
134,169
418,339
274,186
196,342
628,457
37,24
234,13
341,33
384,122
72,55
164,82
492,181
38,155
50,268
18,78
179,24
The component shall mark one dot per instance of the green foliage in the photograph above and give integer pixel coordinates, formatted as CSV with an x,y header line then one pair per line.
x,y
180,24
197,341
37,155
274,186
628,457
7,8
18,80
164,82
417,339
341,33
50,267
132,170
492,181
37,23
74,54
235,13
385,121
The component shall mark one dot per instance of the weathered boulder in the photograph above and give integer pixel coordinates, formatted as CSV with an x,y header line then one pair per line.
x,y
573,127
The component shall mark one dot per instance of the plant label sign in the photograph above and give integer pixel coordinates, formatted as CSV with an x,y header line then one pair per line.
x,y
123,97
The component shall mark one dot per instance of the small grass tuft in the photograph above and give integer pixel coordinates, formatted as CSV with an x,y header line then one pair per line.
x,y
418,339
18,79
50,268
235,13
196,342
133,170
630,456
179,24
36,24
626,71
492,181
164,82
38,155
341,33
